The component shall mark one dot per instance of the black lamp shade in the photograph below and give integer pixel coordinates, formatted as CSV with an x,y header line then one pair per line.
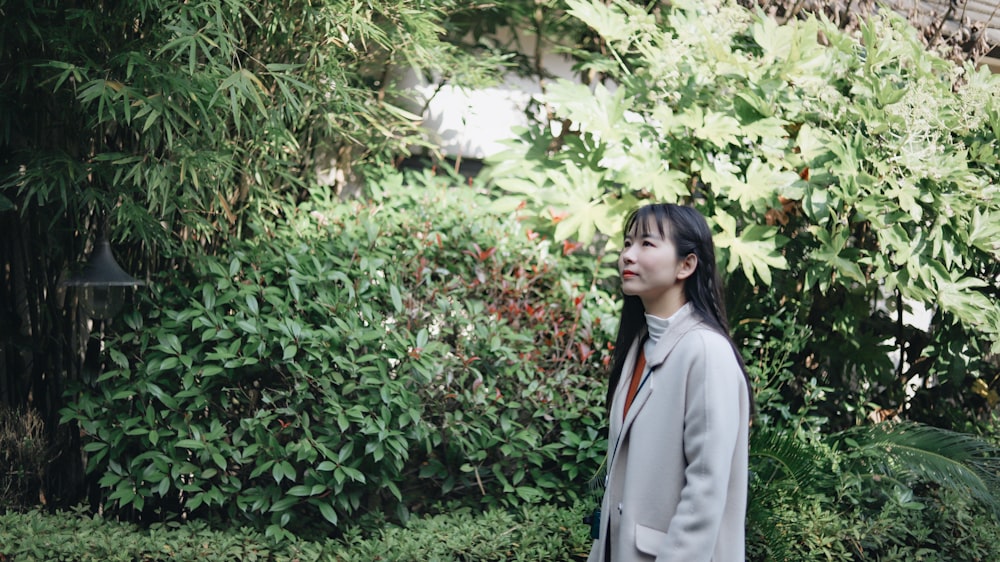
x,y
103,283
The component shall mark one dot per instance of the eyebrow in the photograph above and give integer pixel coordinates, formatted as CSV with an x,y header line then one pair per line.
x,y
652,235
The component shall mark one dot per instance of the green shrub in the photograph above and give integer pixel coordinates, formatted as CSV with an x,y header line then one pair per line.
x,y
358,357
941,528
537,532
849,180
37,536
894,491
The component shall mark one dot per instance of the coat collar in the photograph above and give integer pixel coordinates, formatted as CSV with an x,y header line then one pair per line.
x,y
680,323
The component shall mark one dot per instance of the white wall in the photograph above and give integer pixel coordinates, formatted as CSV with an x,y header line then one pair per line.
x,y
471,123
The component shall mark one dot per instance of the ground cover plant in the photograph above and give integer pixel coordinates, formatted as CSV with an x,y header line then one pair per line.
x,y
532,533
945,530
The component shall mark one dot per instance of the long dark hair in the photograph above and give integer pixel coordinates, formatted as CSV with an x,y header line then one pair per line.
x,y
690,234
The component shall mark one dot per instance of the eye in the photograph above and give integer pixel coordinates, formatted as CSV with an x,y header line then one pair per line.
x,y
647,243
627,243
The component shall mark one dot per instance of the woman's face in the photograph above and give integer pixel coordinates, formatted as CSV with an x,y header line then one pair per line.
x,y
651,270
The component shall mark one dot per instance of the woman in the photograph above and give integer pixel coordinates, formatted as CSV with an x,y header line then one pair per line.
x,y
679,396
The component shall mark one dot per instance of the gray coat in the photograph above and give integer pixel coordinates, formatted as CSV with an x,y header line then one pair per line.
x,y
677,466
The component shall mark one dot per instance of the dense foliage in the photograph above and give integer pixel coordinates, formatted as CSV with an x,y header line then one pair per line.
x,y
377,355
899,531
370,360
167,126
305,364
850,181
891,491
175,117
530,534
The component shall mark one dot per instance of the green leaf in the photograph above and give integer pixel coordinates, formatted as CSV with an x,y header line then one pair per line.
x,y
219,460
327,511
284,504
755,249
615,23
759,192
95,446
600,112
189,444
958,461
353,474
397,299
775,40
253,305
719,129
984,232
834,251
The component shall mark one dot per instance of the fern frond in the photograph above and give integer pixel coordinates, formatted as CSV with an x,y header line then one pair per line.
x,y
782,459
957,461
785,470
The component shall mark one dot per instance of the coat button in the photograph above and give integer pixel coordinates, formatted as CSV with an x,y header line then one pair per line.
x,y
619,509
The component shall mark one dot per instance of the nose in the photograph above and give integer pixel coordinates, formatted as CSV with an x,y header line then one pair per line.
x,y
626,256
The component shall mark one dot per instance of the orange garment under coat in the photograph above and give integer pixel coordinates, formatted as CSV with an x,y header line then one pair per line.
x,y
633,387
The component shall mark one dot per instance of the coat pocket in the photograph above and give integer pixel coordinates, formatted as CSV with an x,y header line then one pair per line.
x,y
649,540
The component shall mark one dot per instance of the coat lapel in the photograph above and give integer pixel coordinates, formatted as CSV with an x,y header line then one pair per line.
x,y
680,324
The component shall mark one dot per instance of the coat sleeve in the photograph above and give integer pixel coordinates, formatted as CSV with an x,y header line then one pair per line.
x,y
712,420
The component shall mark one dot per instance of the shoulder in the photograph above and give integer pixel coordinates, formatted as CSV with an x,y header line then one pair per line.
x,y
706,334
701,333
702,342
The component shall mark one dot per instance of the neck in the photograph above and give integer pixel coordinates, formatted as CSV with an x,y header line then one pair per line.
x,y
666,304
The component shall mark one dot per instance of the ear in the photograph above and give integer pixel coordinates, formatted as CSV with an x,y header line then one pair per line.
x,y
687,266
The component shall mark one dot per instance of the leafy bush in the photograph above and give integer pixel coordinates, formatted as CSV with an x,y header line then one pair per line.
x,y
75,536
944,527
940,527
358,357
169,126
537,532
894,491
849,181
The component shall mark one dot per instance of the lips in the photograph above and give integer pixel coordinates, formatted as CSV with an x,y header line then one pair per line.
x,y
628,274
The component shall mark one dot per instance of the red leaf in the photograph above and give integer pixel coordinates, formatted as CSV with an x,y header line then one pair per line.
x,y
569,247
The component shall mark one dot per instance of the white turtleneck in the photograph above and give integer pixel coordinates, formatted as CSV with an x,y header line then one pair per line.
x,y
656,326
